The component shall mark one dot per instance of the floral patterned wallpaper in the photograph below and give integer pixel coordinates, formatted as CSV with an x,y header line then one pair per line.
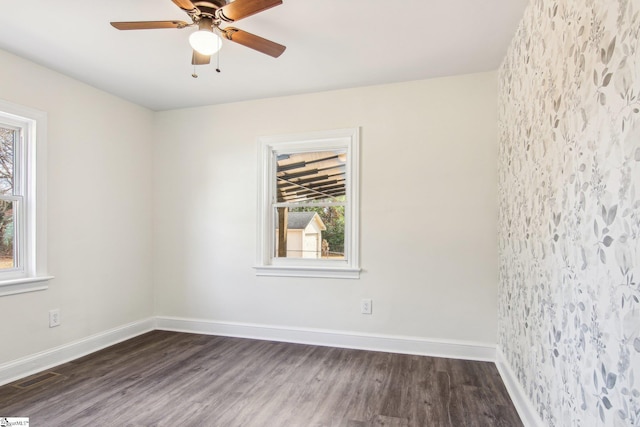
x,y
569,192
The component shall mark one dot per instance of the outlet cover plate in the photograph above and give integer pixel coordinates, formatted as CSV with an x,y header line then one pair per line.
x,y
365,306
54,318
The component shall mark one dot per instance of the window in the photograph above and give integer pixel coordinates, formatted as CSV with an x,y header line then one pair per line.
x,y
308,205
22,245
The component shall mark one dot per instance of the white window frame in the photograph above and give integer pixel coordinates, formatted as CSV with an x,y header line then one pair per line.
x,y
269,147
30,273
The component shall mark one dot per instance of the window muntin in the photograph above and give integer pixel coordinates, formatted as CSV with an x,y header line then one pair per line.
x,y
311,181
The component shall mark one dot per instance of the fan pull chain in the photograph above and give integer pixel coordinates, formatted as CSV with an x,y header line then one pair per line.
x,y
194,75
218,61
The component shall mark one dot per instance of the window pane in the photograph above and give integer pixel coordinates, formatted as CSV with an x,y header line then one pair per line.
x,y
309,232
7,235
7,140
313,176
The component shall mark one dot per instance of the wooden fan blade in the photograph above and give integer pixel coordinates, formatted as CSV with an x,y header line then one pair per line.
x,y
242,8
200,59
254,42
185,5
148,25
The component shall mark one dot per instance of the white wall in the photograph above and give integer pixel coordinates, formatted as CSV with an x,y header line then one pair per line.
x,y
429,152
99,210
435,141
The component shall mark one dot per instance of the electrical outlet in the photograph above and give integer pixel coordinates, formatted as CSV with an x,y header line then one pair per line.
x,y
54,318
365,306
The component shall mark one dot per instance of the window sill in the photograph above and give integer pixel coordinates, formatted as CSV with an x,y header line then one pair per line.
x,y
23,285
322,272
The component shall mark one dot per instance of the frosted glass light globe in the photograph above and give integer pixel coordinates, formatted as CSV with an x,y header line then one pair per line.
x,y
205,42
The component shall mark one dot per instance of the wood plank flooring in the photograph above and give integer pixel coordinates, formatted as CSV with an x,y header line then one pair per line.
x,y
176,379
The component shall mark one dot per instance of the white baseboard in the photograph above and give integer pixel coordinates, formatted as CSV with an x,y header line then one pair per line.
x,y
465,350
34,363
527,412
356,340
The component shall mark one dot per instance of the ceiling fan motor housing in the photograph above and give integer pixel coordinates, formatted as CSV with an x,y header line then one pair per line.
x,y
209,8
214,4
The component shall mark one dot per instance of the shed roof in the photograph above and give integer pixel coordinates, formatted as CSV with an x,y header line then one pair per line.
x,y
300,220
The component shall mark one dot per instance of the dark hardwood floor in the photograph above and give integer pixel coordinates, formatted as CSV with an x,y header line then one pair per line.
x,y
177,379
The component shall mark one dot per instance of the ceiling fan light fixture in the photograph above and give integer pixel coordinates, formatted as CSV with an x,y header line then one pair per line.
x,y
208,15
205,42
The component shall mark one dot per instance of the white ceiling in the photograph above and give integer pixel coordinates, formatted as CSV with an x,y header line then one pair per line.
x,y
331,44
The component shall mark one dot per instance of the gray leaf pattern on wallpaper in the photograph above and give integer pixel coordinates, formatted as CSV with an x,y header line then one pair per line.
x,y
569,194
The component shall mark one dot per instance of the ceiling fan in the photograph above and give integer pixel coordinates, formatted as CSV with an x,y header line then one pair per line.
x,y
208,16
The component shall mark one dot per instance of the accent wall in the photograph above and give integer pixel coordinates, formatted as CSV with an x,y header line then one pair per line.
x,y
569,202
